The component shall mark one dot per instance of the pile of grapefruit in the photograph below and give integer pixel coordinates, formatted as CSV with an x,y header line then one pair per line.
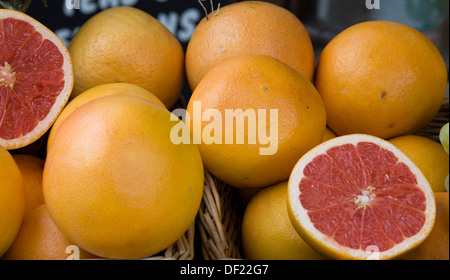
x,y
93,154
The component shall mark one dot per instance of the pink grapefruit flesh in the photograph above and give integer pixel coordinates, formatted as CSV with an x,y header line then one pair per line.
x,y
36,79
355,193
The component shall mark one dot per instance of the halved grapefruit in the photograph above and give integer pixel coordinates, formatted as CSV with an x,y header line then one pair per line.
x,y
36,79
359,197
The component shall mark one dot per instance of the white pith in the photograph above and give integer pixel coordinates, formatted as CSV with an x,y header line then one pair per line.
x,y
7,76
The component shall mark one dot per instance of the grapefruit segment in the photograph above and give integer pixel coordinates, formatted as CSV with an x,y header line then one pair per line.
x,y
355,193
36,79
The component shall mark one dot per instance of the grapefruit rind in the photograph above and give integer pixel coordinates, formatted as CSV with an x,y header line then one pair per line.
x,y
63,97
326,244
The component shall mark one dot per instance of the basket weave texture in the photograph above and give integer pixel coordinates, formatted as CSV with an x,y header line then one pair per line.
x,y
219,222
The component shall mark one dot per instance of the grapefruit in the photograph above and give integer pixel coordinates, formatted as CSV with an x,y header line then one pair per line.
x,y
360,197
269,100
40,239
96,92
381,78
12,200
245,28
328,135
31,168
267,233
36,79
114,182
127,45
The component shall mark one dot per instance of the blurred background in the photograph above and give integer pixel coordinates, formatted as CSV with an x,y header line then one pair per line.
x,y
323,19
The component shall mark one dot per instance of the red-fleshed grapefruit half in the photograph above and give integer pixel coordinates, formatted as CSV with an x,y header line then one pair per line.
x,y
36,79
359,197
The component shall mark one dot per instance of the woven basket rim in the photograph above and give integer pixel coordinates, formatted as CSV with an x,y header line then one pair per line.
x,y
218,221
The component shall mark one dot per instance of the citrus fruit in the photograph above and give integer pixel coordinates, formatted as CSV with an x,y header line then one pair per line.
x,y
36,79
12,200
249,27
31,168
114,182
328,135
360,197
274,110
267,233
127,45
40,239
100,91
428,155
381,78
436,246
443,136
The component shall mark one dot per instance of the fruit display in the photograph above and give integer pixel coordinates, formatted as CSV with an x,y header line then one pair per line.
x,y
282,150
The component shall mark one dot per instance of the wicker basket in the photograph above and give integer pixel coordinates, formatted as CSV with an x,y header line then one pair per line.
x,y
433,129
219,220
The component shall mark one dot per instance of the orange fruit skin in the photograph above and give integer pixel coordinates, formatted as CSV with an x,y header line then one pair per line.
x,y
381,78
428,155
328,135
267,233
127,45
249,27
97,92
12,200
436,246
116,185
259,82
40,239
31,168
